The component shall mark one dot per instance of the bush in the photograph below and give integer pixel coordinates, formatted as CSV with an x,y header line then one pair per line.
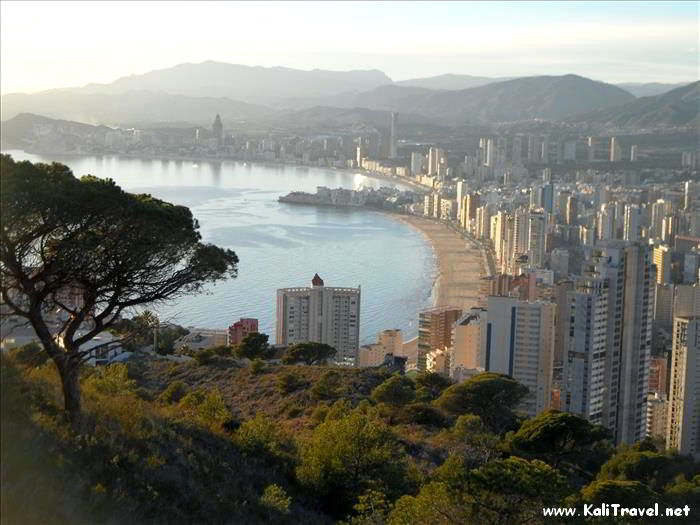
x,y
397,390
174,392
31,354
327,386
260,436
204,357
289,382
422,414
206,407
276,499
257,366
111,380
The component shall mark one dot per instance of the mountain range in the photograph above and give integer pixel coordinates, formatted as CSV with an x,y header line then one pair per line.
x,y
192,93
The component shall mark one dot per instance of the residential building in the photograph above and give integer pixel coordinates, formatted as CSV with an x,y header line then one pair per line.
x,y
241,328
320,314
520,343
435,330
683,426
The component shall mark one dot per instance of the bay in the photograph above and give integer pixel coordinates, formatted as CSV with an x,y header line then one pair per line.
x,y
280,245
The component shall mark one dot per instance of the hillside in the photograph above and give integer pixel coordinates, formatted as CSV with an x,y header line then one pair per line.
x,y
128,108
261,85
450,81
219,441
548,98
679,107
650,89
53,134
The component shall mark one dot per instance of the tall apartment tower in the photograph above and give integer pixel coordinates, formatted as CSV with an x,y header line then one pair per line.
x,y
585,312
218,130
633,221
615,150
571,210
320,314
630,276
435,331
662,261
393,137
683,422
468,341
537,233
519,342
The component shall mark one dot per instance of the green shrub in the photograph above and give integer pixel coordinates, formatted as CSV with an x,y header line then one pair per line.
x,y
257,366
205,356
31,354
289,382
260,436
422,414
174,392
111,380
397,390
327,386
276,499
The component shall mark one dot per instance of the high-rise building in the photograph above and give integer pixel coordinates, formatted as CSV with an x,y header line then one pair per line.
x,y
683,430
393,135
490,153
585,345
218,130
606,223
435,156
520,343
241,328
435,331
662,260
561,329
320,314
688,195
392,341
572,210
628,271
468,342
634,153
461,190
615,150
537,231
658,370
417,160
559,262
590,146
633,220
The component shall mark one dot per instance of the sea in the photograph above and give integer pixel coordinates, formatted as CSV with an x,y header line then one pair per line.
x,y
281,245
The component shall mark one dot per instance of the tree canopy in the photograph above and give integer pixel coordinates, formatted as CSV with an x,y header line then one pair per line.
x,y
310,353
397,390
491,396
253,346
77,254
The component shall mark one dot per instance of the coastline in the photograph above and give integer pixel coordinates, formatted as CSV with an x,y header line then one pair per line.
x,y
460,265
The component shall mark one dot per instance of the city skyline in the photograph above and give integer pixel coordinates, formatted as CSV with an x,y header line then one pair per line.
x,y
50,45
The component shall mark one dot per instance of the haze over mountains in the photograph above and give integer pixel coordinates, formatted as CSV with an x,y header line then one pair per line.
x,y
192,93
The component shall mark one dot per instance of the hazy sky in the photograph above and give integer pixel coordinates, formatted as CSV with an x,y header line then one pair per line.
x,y
60,44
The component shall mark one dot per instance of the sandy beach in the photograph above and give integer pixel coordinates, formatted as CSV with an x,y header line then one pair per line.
x,y
460,264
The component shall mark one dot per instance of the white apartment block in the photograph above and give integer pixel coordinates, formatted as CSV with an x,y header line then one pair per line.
x,y
683,419
320,314
520,343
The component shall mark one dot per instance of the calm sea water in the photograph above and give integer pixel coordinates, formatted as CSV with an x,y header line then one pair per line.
x,y
281,245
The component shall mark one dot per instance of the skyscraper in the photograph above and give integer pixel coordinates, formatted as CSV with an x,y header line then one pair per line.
x,y
320,314
218,130
632,223
520,343
586,314
662,261
683,430
435,330
628,268
537,231
615,150
572,210
393,137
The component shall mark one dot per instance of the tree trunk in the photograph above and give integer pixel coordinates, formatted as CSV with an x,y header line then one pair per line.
x,y
68,370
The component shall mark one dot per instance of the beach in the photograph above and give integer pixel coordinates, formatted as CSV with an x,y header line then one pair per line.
x,y
460,263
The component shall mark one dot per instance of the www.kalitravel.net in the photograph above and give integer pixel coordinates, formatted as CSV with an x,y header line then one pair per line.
x,y
616,510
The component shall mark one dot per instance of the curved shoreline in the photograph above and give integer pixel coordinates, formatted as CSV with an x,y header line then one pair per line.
x,y
460,266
